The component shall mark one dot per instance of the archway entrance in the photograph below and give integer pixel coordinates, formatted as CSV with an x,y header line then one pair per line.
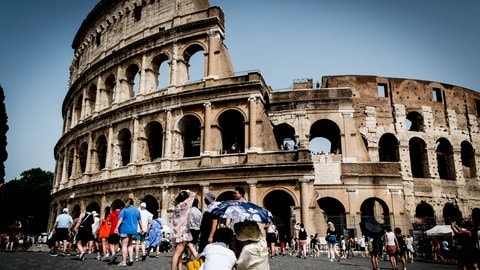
x,y
280,203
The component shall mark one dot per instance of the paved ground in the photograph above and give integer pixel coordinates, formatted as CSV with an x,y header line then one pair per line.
x,y
42,260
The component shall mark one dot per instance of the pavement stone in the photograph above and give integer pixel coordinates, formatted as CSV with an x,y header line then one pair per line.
x,y
42,260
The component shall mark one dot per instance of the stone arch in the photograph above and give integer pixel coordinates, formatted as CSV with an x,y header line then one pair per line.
x,y
388,148
132,77
117,204
125,145
110,89
451,212
189,128
91,98
415,122
445,161
101,151
76,210
153,205
159,72
328,130
425,214
285,136
225,195
82,156
191,50
468,160
93,206
78,109
334,211
280,203
154,135
71,162
418,158
232,128
375,208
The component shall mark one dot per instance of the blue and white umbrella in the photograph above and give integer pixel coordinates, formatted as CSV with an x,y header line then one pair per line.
x,y
242,211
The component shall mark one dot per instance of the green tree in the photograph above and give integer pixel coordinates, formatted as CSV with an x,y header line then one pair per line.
x,y
27,199
3,135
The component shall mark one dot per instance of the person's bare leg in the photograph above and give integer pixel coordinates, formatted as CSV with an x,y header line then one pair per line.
x,y
176,261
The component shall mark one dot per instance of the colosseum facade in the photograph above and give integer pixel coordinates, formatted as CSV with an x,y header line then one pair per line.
x,y
399,150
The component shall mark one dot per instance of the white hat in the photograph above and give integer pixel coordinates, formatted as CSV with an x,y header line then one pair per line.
x,y
65,210
143,204
95,214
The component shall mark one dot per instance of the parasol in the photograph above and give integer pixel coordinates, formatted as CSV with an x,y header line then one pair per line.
x,y
242,211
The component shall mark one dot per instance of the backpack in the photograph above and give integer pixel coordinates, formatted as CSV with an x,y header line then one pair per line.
x,y
302,234
87,220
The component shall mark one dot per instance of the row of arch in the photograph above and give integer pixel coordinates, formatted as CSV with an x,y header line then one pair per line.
x,y
132,79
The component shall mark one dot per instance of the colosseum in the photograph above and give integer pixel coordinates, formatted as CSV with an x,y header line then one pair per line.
x,y
401,151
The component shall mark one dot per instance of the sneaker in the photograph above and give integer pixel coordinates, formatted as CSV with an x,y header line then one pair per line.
x,y
67,254
53,254
144,257
137,259
122,264
130,263
114,258
82,256
158,255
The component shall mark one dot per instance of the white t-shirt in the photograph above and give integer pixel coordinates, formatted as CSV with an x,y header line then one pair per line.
x,y
217,256
146,217
390,238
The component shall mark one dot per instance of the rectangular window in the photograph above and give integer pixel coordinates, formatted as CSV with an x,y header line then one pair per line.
x,y
437,94
477,104
382,90
98,39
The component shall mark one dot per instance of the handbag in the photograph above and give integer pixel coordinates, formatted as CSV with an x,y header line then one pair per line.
x,y
194,264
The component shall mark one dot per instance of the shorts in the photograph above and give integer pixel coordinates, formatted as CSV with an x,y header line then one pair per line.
x,y
271,238
113,239
139,237
195,236
61,234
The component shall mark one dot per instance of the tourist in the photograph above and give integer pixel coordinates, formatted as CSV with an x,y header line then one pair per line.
x,y
209,222
302,242
61,231
140,236
128,219
181,233
331,238
217,255
254,253
391,245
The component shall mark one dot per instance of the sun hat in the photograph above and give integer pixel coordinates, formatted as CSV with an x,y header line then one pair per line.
x,y
247,231
209,196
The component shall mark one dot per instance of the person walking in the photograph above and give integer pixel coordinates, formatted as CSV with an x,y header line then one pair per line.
x,y
84,233
217,255
254,253
302,242
140,237
61,232
128,219
113,236
180,220
194,225
272,234
209,222
401,248
410,249
331,238
103,233
154,237
391,245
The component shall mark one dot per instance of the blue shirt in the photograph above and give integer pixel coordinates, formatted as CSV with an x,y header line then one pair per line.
x,y
130,217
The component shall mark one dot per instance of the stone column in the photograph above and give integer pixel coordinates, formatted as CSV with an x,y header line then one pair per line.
x,y
252,110
109,156
252,193
207,147
89,154
305,199
167,150
142,87
134,146
205,188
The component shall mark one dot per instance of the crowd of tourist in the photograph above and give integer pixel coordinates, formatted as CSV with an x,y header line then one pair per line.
x,y
132,234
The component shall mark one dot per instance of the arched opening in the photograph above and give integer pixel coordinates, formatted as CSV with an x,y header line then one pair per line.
x,y
117,204
451,213
415,122
424,214
82,156
101,148
189,127
125,145
93,206
445,162
78,109
194,56
225,196
133,77
468,160
110,89
91,98
152,204
154,133
232,127
418,158
71,155
162,71
334,211
280,204
285,136
328,130
376,209
388,148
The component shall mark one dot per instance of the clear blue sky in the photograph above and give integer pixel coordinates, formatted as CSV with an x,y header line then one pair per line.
x,y
437,40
